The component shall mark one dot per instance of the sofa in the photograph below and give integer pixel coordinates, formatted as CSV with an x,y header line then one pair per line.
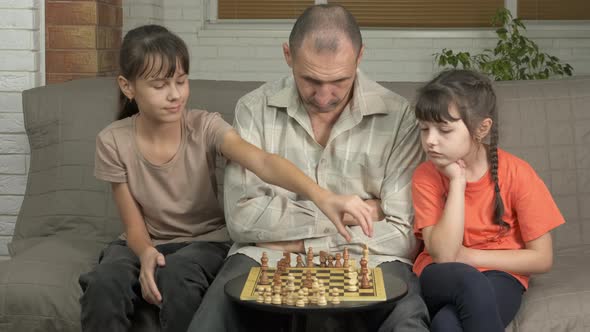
x,y
68,216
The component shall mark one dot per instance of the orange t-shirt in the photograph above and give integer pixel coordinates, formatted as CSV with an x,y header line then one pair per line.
x,y
529,208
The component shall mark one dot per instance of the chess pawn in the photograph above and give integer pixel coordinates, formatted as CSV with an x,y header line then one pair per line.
x,y
264,260
300,302
323,258
299,262
290,282
276,299
267,297
260,298
322,298
306,295
338,263
330,261
335,297
290,299
308,281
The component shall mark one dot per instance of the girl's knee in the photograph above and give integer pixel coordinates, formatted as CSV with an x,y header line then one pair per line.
x,y
446,319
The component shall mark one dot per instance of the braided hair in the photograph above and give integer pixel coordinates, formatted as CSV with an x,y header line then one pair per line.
x,y
475,99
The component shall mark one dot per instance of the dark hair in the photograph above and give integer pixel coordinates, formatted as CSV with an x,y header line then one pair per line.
x,y
149,51
334,20
475,99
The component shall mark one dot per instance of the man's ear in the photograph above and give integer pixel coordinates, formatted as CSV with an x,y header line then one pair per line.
x,y
360,56
126,87
287,54
484,128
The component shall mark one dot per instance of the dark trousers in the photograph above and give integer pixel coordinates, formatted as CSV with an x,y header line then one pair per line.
x,y
219,313
461,298
112,291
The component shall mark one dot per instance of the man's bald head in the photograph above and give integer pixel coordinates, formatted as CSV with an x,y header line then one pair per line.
x,y
327,25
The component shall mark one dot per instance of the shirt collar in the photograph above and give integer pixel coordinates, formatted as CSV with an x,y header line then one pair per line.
x,y
363,100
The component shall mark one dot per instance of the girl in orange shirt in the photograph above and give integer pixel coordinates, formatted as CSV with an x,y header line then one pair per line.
x,y
484,214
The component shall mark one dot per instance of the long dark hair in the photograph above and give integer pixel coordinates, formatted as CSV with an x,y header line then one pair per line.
x,y
475,99
149,51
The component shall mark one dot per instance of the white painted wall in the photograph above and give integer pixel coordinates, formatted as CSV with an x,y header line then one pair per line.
x,y
20,69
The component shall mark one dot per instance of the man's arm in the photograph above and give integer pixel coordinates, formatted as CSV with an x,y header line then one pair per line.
x,y
394,235
259,212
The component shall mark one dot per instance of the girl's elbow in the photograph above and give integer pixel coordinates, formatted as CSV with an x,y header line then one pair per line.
x,y
546,265
444,258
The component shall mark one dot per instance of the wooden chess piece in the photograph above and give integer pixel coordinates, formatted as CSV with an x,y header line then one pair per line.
x,y
338,258
264,260
330,261
323,255
299,261
277,279
335,297
366,252
308,282
365,284
310,257
346,256
364,274
287,257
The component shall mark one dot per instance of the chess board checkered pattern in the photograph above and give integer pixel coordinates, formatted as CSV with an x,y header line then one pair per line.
x,y
331,277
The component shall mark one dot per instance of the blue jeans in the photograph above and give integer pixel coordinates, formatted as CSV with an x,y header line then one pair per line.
x,y
112,291
461,298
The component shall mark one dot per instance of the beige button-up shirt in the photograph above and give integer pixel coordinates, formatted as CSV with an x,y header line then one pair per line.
x,y
372,152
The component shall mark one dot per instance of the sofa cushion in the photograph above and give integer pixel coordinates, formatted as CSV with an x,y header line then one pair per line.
x,y
39,286
62,196
558,300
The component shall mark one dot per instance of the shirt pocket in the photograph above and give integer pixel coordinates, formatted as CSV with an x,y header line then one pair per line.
x,y
364,180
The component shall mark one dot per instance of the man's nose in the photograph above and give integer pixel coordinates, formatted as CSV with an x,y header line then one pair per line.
x,y
323,95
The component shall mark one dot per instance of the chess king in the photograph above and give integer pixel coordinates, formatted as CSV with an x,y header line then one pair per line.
x,y
350,135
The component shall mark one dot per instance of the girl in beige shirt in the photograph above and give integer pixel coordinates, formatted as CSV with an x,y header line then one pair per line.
x,y
160,159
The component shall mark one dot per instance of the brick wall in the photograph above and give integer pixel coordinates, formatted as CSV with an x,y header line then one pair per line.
x,y
19,70
82,38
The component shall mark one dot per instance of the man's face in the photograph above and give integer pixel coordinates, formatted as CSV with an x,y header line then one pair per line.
x,y
324,79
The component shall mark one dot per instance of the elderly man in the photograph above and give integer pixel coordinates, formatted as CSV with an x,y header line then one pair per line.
x,y
348,133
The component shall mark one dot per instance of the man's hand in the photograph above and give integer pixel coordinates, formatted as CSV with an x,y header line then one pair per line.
x,y
295,246
150,258
376,212
335,207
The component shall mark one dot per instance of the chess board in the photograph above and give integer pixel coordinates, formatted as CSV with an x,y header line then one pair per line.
x,y
332,277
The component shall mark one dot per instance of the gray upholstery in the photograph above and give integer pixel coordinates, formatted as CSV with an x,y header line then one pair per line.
x,y
67,216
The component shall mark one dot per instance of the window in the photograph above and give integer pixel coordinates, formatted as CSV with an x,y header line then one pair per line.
x,y
261,9
374,13
554,10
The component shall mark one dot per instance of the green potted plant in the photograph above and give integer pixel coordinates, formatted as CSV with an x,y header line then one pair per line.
x,y
515,56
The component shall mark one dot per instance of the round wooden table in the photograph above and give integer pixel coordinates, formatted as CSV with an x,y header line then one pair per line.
x,y
395,289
